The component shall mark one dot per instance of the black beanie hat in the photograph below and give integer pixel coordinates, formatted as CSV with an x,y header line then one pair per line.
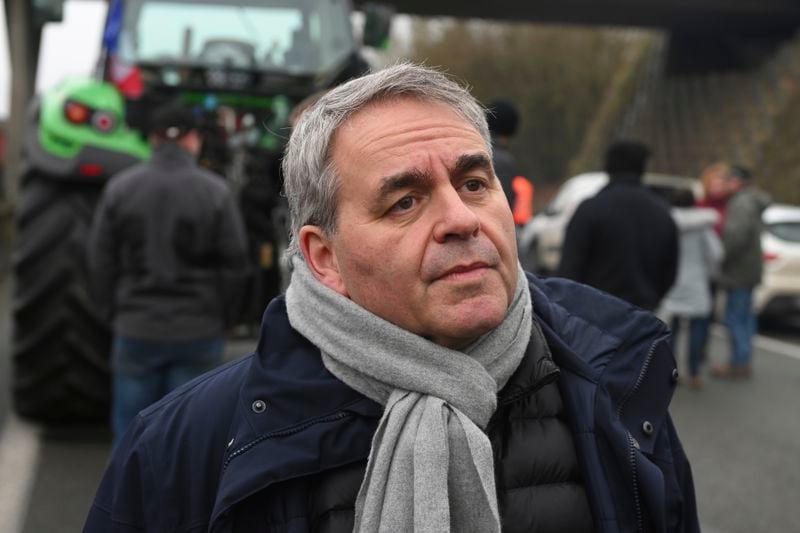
x,y
626,157
741,173
503,117
172,121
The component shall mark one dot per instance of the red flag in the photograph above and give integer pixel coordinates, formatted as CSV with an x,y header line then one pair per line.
x,y
125,76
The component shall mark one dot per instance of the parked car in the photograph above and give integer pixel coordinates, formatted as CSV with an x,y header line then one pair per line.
x,y
779,292
543,237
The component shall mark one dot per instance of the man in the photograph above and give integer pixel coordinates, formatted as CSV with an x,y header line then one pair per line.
x,y
623,240
168,256
742,267
484,399
503,120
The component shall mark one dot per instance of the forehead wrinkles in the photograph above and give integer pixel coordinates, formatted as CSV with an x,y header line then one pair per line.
x,y
402,140
368,130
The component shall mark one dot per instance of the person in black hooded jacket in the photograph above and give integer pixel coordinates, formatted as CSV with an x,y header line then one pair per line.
x,y
623,240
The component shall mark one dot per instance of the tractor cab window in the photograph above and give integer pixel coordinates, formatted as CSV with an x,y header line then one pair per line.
x,y
292,36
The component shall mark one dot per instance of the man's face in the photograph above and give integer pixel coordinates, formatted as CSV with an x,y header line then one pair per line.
x,y
733,185
425,237
717,186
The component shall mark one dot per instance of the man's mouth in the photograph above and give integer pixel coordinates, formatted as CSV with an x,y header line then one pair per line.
x,y
465,272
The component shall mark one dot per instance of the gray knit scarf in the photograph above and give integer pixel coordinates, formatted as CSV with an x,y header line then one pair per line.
x,y
431,466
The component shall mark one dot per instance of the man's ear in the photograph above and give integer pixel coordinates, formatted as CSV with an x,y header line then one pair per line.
x,y
321,259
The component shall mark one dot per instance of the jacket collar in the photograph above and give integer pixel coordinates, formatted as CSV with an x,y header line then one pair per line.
x,y
285,362
171,154
601,338
278,428
584,331
283,368
536,369
285,365
587,325
624,178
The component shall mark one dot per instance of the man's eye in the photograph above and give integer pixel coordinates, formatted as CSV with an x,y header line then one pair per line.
x,y
404,204
474,185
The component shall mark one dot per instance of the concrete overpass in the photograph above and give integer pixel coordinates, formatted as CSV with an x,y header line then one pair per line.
x,y
741,17
705,35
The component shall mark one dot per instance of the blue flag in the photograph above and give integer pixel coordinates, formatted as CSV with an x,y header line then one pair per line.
x,y
113,26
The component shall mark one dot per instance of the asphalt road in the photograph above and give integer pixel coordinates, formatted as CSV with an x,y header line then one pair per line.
x,y
742,438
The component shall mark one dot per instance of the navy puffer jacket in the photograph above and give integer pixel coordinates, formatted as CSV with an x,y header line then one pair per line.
x,y
580,441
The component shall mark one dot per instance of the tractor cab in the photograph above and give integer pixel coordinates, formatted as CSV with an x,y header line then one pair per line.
x,y
256,46
242,65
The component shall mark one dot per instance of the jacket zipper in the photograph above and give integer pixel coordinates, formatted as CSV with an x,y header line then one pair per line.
x,y
527,391
284,433
637,505
631,442
639,379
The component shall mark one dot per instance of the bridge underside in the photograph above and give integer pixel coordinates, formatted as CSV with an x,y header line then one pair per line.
x,y
704,34
741,17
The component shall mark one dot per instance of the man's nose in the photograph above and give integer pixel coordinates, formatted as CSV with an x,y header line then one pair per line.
x,y
454,218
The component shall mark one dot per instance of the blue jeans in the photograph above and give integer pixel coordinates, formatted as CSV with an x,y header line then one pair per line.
x,y
698,335
146,370
741,322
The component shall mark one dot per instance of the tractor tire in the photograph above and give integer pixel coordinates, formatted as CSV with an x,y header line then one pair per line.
x,y
61,345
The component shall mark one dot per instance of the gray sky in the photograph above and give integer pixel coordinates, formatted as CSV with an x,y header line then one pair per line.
x,y
68,48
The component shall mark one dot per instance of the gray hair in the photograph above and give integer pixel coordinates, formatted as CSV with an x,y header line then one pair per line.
x,y
310,178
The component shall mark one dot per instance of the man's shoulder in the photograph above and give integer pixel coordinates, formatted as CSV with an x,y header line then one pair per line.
x,y
588,209
120,181
220,381
210,177
560,297
605,346
749,200
239,426
593,324
147,480
199,407
216,188
229,397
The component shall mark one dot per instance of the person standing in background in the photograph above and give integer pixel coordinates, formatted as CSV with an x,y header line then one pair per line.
x,y
690,297
715,191
623,240
169,262
503,120
715,196
742,268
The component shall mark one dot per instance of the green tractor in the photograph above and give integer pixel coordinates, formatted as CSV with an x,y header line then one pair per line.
x,y
60,346
241,66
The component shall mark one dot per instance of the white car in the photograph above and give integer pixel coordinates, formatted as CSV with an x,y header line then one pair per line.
x,y
779,292
542,238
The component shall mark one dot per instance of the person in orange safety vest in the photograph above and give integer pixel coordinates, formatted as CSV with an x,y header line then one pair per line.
x,y
503,120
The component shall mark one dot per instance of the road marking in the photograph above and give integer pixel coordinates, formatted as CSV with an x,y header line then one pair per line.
x,y
768,344
19,456
775,346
